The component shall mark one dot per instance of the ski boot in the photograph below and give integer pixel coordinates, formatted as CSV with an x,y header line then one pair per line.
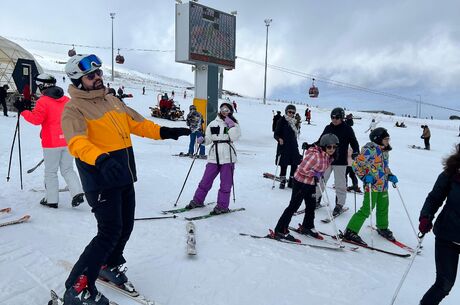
x,y
309,232
283,236
337,210
354,237
282,182
117,276
79,294
193,204
77,200
50,205
217,211
386,233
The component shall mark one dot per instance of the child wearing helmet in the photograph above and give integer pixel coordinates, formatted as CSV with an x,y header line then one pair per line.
x,y
195,122
317,160
372,167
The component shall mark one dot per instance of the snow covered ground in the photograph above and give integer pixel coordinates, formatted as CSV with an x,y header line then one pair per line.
x,y
229,269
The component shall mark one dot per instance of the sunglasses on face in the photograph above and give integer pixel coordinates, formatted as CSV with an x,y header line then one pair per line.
x,y
93,74
224,110
291,112
331,147
336,117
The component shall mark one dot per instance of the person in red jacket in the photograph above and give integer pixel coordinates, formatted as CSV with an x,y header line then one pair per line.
x,y
47,113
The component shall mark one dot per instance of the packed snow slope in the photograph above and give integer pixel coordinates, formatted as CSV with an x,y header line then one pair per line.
x,y
229,269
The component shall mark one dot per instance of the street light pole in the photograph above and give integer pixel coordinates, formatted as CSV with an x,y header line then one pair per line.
x,y
419,106
267,24
112,16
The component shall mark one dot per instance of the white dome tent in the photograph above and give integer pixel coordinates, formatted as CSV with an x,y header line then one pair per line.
x,y
9,54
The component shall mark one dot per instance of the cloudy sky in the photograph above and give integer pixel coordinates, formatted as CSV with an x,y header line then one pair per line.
x,y
406,47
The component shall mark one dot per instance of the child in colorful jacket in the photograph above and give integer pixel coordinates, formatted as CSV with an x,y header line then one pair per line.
x,y
317,160
371,166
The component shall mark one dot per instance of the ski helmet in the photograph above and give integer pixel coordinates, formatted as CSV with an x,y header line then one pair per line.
x,y
328,139
290,107
44,81
378,134
81,64
338,113
192,107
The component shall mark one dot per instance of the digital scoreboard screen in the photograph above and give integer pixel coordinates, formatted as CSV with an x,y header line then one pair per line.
x,y
212,36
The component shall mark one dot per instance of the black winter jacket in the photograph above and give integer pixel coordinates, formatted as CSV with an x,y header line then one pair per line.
x,y
289,151
346,137
447,225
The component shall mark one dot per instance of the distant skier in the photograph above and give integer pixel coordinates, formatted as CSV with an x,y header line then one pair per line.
x,y
372,126
426,135
235,106
47,113
143,90
3,94
276,117
195,123
349,120
287,150
298,122
317,160
220,134
172,94
185,94
446,228
63,79
372,167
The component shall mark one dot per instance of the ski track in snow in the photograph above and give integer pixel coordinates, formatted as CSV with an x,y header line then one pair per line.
x,y
229,269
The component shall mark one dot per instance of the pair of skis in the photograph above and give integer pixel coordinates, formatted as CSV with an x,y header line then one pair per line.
x,y
298,242
182,210
23,219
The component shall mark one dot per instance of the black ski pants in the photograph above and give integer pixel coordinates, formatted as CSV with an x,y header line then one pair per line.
x,y
5,110
446,255
300,192
283,170
351,173
114,212
427,143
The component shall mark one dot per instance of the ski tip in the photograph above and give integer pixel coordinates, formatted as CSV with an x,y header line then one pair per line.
x,y
25,217
5,210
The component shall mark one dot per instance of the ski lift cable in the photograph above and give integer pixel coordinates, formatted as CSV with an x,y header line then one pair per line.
x,y
344,84
85,46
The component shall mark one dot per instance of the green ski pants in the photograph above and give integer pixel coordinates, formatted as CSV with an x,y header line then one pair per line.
x,y
379,199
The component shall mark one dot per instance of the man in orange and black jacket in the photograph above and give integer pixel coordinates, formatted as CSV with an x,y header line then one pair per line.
x,y
97,128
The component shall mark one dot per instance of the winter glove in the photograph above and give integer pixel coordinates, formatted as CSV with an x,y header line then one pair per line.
x,y
369,179
19,106
108,167
425,224
200,140
229,122
354,155
173,133
392,178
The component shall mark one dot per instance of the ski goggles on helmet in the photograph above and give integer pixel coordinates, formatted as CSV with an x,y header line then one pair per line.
x,y
89,62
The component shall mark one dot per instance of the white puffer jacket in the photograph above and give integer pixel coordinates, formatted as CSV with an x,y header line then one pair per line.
x,y
221,139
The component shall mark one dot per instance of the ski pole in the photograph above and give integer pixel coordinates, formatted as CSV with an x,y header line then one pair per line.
x,y
20,152
401,282
189,170
154,218
276,170
405,209
11,152
35,167
322,189
233,167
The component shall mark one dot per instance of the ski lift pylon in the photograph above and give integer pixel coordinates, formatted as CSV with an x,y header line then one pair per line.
x,y
313,91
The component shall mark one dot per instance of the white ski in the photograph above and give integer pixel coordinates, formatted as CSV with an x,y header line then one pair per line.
x,y
56,300
191,241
